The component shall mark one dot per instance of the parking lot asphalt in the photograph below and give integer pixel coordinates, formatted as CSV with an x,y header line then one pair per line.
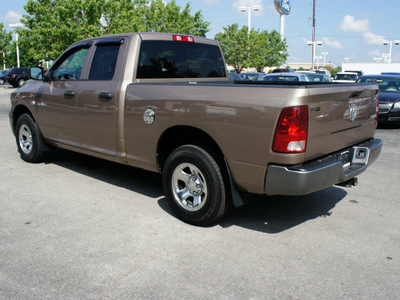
x,y
78,227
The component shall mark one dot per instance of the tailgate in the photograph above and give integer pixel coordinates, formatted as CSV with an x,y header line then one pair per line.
x,y
340,116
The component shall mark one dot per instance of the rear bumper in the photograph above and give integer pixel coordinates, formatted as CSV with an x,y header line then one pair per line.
x,y
323,172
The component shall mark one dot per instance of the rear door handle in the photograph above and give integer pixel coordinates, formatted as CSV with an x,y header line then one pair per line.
x,y
69,94
105,96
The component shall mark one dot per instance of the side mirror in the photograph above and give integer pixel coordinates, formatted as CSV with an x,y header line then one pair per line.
x,y
36,73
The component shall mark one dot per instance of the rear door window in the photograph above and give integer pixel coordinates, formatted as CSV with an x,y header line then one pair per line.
x,y
169,59
104,62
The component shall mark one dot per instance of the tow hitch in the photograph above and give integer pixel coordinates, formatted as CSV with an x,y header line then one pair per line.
x,y
349,183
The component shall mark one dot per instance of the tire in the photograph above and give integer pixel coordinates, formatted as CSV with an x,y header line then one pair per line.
x,y
29,140
194,186
21,82
1,81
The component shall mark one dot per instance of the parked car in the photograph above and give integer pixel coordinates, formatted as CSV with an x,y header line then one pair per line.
x,y
234,76
252,76
319,77
346,77
323,71
359,73
389,96
17,76
316,77
287,77
281,70
3,78
391,73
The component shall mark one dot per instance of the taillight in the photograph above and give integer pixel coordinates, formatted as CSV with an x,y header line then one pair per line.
x,y
183,38
292,130
13,76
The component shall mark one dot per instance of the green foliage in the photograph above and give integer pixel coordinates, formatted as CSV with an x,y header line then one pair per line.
x,y
52,25
5,39
333,70
258,50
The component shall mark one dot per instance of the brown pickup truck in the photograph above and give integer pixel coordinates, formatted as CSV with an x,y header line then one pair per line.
x,y
164,103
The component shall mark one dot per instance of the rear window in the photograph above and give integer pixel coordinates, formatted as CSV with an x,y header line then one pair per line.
x,y
169,59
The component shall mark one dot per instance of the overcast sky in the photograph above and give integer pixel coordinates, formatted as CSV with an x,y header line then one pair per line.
x,y
353,29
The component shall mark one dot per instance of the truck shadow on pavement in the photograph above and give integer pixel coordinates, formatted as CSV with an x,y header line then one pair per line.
x,y
137,180
280,213
265,214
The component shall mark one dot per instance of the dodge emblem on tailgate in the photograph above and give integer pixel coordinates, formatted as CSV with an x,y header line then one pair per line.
x,y
352,112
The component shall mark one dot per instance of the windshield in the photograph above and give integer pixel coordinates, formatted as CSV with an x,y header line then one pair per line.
x,y
384,84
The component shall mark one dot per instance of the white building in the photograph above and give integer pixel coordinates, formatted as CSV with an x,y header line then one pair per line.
x,y
371,68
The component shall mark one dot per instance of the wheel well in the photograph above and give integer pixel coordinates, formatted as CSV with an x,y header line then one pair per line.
x,y
18,111
183,135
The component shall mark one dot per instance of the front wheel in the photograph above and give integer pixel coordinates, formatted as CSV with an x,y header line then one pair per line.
x,y
194,186
29,140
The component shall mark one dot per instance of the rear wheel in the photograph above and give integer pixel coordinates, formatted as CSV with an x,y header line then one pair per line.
x,y
1,81
21,82
194,186
29,140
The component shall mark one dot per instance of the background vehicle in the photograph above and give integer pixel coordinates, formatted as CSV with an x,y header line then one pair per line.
x,y
252,76
323,71
3,78
234,76
391,73
359,73
286,77
281,70
17,76
389,96
164,103
346,77
316,77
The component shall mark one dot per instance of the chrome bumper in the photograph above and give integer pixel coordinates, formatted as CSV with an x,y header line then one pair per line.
x,y
323,172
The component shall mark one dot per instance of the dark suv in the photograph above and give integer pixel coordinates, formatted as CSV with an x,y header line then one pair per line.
x,y
17,76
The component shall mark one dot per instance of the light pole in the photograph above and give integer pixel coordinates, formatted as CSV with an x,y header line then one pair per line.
x,y
397,42
249,9
16,39
314,46
318,58
377,59
324,54
346,59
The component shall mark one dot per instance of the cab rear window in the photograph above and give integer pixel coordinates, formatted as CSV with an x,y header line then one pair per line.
x,y
169,59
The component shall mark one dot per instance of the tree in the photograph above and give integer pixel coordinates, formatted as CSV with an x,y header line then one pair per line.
x,y
5,39
154,16
333,70
52,25
259,49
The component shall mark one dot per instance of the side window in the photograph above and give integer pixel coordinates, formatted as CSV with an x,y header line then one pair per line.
x,y
71,65
104,62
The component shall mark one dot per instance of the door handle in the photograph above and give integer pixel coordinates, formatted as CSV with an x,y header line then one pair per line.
x,y
105,96
69,94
